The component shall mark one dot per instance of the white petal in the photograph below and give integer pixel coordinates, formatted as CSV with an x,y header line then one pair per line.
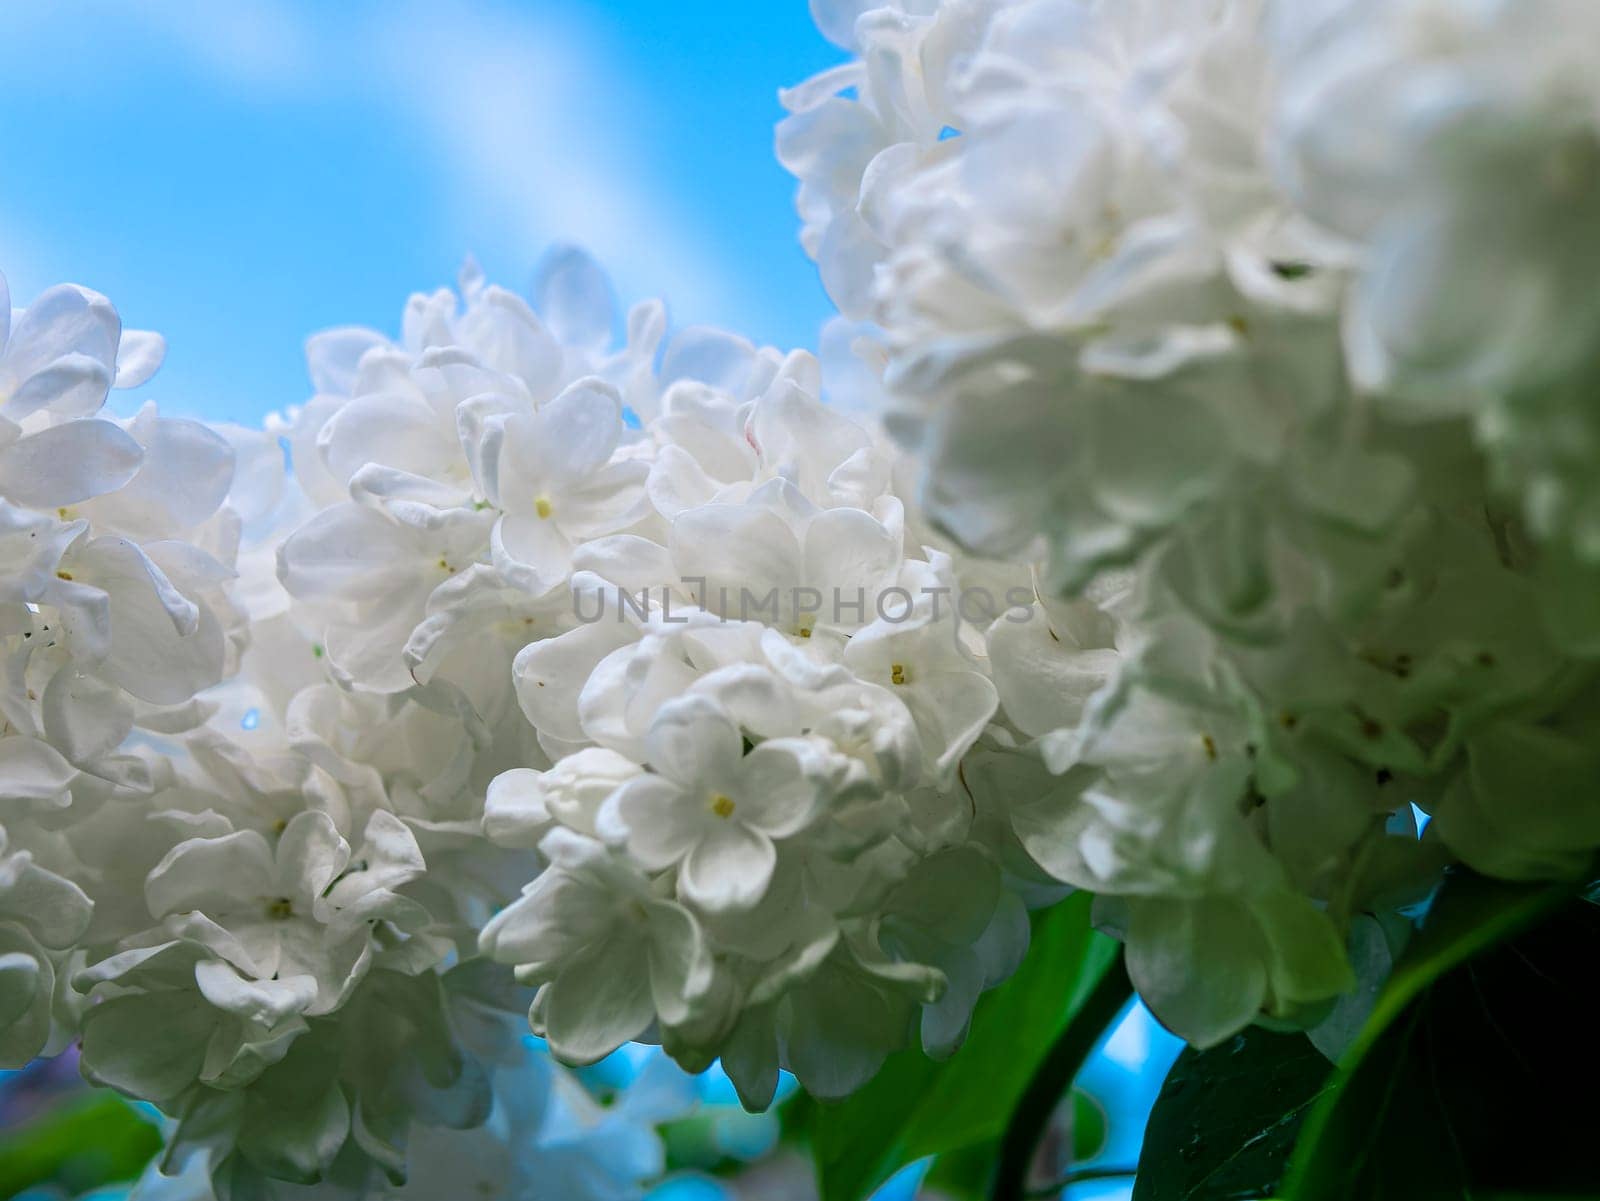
x,y
627,560
531,549
1198,965
610,499
733,548
266,1002
63,320
149,1045
68,463
334,354
776,795
185,476
211,875
951,709
310,856
53,910
514,812
693,743
393,429
681,968
573,294
506,335
848,549
350,552
387,858
550,674
578,430
1043,683
659,823
33,770
23,978
836,20
372,652
84,716
728,869
139,356
164,648
677,482
598,1002
74,385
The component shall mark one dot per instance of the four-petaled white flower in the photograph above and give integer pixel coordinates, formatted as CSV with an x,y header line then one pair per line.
x,y
552,475
712,809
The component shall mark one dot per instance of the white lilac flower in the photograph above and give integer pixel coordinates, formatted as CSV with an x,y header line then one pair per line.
x,y
551,475
274,792
41,917
611,956
712,810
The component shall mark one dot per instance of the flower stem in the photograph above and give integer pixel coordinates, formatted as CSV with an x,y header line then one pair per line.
x,y
1052,1079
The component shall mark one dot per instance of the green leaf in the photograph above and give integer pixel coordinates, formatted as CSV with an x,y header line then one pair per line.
x,y
1472,1076
1226,1120
962,1175
915,1107
92,1140
691,1144
1089,1127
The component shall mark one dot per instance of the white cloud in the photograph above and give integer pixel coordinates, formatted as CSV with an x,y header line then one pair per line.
x,y
532,125
527,123
248,45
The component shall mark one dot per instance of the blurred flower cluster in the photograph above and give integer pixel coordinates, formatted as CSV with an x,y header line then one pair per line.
x,y
1274,321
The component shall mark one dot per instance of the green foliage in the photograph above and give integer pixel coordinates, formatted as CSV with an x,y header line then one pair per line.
x,y
1470,1079
1462,1084
1089,1132
92,1140
1226,1120
916,1107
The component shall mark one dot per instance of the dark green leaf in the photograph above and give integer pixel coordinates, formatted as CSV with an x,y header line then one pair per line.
x,y
1474,1075
915,1107
1226,1120
92,1140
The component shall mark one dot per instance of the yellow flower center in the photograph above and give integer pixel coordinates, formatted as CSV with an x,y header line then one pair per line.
x,y
897,673
722,805
543,507
280,910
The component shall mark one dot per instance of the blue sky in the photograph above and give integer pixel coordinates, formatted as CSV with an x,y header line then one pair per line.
x,y
241,174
